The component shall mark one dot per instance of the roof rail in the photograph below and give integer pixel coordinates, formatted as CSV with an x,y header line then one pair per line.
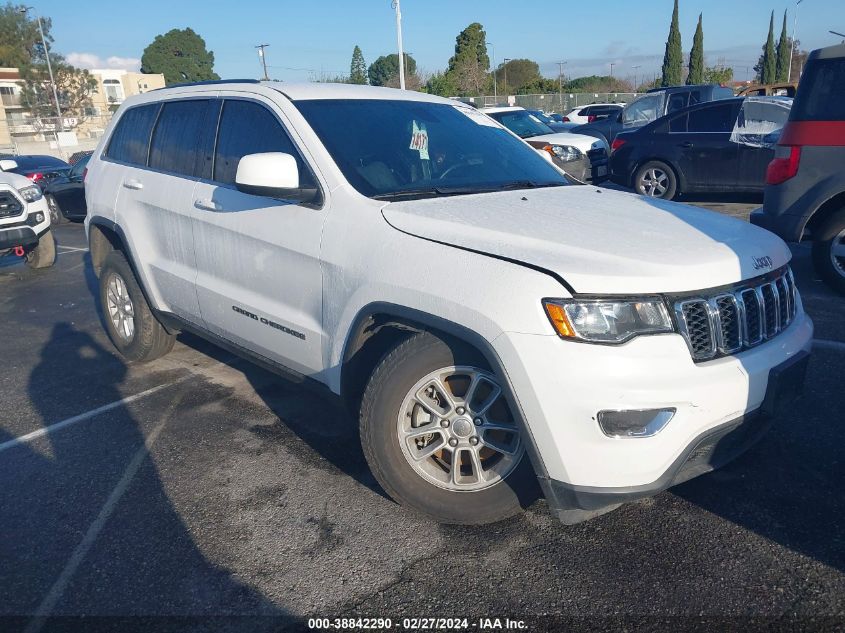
x,y
210,82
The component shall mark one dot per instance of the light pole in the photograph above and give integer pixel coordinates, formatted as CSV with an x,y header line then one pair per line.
x,y
505,68
263,57
398,9
636,68
495,91
792,48
560,66
612,64
49,66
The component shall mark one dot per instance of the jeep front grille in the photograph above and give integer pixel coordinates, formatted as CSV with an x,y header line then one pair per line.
x,y
10,206
733,320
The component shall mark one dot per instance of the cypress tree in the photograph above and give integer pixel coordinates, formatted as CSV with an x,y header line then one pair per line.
x,y
358,68
673,58
696,57
769,70
783,53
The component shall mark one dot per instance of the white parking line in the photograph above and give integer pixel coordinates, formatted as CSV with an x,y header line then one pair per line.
x,y
58,589
84,416
825,344
73,248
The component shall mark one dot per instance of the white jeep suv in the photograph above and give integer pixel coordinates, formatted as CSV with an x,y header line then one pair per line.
x,y
24,219
491,324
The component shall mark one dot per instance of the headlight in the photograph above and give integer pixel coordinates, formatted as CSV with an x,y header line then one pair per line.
x,y
607,321
31,194
565,152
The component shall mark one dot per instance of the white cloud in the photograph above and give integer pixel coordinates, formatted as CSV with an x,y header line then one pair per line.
x,y
90,60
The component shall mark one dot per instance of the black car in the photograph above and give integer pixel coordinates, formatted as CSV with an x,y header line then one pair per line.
x,y
720,146
651,106
65,194
805,182
39,168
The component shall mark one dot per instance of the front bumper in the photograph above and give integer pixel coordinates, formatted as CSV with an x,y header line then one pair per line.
x,y
561,386
25,230
789,228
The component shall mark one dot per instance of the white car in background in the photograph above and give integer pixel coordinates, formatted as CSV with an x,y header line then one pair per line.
x,y
581,156
593,112
24,219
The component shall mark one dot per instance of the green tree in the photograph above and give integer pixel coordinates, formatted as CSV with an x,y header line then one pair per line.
x,y
799,59
73,86
768,72
718,75
441,84
20,41
673,58
782,70
598,83
358,68
518,74
386,68
469,65
181,56
696,57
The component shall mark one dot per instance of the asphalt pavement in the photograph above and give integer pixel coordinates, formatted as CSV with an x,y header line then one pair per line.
x,y
203,493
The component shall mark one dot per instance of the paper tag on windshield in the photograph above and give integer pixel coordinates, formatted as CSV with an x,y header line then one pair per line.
x,y
419,140
478,117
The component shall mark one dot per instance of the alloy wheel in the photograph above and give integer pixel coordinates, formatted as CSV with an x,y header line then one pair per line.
x,y
120,309
837,252
456,430
654,183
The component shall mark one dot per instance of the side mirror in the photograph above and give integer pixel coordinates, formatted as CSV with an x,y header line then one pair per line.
x,y
619,116
8,165
273,175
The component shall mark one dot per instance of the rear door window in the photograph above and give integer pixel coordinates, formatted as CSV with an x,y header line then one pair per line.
x,y
247,127
677,101
821,95
177,134
717,118
130,140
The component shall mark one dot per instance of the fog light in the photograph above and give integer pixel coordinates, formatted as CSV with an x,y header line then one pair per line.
x,y
39,218
634,423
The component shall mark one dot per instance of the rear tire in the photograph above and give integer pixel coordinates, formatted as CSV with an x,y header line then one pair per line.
x,y
487,485
57,216
44,254
130,324
656,180
829,251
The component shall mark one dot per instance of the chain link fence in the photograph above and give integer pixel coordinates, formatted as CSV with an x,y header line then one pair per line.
x,y
44,135
555,102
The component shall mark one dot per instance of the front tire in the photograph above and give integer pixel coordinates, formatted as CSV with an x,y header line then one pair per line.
x,y
57,216
44,254
829,251
130,324
439,436
656,180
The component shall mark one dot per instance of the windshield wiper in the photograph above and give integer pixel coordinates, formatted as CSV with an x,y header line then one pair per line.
x,y
430,192
526,184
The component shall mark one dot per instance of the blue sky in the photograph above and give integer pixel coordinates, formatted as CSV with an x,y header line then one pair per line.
x,y
310,38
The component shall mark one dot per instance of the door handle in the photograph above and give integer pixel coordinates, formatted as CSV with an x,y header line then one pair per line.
x,y
133,184
685,145
207,205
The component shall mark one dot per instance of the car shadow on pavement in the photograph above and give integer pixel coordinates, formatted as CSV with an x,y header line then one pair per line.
x,y
86,519
789,487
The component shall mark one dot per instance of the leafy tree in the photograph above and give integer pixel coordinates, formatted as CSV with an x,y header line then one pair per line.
x,y
518,74
386,68
358,68
598,83
799,60
782,54
696,57
768,72
20,41
673,58
441,84
180,55
74,88
469,65
718,75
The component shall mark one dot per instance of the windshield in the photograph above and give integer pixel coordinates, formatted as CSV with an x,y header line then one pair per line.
x,y
522,123
541,115
392,149
643,110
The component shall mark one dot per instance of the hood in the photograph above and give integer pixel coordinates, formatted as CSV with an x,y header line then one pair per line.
x,y
14,180
599,241
581,141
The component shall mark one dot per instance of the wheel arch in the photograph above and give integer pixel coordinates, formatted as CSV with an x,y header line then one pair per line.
x,y
824,211
378,327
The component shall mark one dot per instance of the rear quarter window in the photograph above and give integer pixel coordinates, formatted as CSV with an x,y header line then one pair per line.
x,y
130,140
821,94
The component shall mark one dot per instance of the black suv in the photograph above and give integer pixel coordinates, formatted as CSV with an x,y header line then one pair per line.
x,y
805,182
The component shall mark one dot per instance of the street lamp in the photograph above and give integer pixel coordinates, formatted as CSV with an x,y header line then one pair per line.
x,y
49,65
560,66
636,68
493,51
505,68
792,48
398,9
